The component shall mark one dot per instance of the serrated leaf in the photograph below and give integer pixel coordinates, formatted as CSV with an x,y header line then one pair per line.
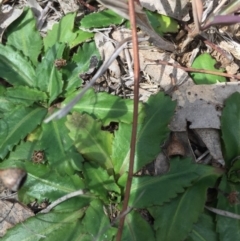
x,y
136,228
80,64
55,141
99,181
206,62
230,127
49,77
181,175
228,228
15,125
93,143
97,223
24,151
101,19
203,230
62,32
23,35
11,69
233,173
52,226
162,24
82,36
23,95
151,134
169,222
43,182
106,107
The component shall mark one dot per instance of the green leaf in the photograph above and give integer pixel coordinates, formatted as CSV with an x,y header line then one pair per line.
x,y
82,36
162,24
230,127
228,228
206,62
203,230
81,61
151,134
62,32
94,144
23,35
136,228
97,223
16,125
49,78
52,226
234,172
43,182
191,202
23,95
24,151
101,19
106,107
99,182
181,175
55,141
11,69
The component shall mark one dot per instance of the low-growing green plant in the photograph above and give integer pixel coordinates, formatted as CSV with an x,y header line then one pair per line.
x,y
78,153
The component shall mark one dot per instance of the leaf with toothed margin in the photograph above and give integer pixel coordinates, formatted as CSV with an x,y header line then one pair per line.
x,y
15,68
168,218
93,143
159,189
16,124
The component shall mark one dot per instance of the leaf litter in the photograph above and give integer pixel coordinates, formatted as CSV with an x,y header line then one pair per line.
x,y
199,107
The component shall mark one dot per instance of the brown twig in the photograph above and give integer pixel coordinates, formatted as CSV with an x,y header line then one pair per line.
x,y
189,69
87,5
135,116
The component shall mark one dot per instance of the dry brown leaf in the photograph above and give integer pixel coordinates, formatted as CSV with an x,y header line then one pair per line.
x,y
7,16
201,105
212,140
106,50
68,6
11,214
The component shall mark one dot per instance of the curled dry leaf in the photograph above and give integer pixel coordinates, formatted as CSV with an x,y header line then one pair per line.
x,y
175,147
13,178
106,49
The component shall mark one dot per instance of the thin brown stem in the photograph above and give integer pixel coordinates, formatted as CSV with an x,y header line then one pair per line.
x,y
135,116
188,69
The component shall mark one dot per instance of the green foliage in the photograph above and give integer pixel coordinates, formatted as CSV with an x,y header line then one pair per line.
x,y
13,72
78,151
228,228
106,107
230,126
203,230
101,19
182,170
64,32
162,24
206,62
52,226
22,34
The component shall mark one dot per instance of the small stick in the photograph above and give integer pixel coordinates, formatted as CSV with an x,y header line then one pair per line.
x,y
189,69
135,116
223,213
62,199
87,5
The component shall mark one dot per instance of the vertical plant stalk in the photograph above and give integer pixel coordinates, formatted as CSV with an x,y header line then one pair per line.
x,y
135,116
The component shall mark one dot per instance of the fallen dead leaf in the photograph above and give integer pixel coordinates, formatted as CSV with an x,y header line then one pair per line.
x,y
11,214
